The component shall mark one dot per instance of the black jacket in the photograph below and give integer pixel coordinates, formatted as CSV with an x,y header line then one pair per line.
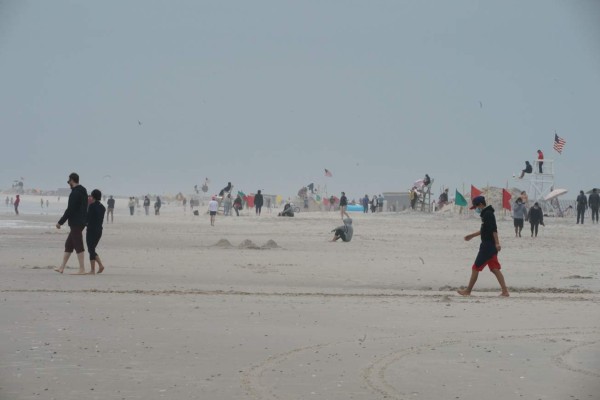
x,y
581,202
488,224
95,216
594,200
258,200
76,212
536,216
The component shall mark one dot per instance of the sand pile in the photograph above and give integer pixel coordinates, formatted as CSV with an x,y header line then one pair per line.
x,y
248,244
271,244
223,243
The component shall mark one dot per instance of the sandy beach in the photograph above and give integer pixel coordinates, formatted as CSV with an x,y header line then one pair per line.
x,y
266,308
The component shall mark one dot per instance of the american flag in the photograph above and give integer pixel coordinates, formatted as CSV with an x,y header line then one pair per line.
x,y
328,173
559,143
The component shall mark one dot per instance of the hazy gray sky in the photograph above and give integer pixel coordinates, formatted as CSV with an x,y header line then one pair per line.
x,y
267,94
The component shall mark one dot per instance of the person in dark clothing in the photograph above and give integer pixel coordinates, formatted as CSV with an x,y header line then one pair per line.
x,y
489,248
365,204
528,169
536,218
237,205
76,214
343,206
110,204
16,204
582,206
95,217
226,189
594,203
146,205
157,205
258,202
426,180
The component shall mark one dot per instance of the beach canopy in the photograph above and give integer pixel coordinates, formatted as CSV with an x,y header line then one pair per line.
x,y
555,193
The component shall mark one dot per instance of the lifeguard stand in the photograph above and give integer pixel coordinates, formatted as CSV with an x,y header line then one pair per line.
x,y
541,184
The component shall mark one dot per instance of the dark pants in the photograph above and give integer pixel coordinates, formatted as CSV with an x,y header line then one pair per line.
x,y
92,238
595,214
258,209
540,166
580,213
131,209
534,228
237,211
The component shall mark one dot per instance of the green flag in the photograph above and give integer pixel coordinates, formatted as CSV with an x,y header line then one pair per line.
x,y
459,199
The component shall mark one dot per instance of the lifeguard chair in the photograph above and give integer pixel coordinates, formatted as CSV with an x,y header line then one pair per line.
x,y
541,184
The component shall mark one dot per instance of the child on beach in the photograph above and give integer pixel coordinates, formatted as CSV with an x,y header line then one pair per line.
x,y
95,217
489,248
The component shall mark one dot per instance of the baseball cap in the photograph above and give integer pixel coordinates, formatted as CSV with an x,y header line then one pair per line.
x,y
477,201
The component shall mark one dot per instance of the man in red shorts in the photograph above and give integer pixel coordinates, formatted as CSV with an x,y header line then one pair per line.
x,y
76,214
489,248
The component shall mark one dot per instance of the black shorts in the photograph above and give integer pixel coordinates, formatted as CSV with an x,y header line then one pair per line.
x,y
518,222
487,252
213,213
75,240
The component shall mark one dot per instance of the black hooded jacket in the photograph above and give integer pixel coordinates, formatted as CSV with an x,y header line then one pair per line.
x,y
76,212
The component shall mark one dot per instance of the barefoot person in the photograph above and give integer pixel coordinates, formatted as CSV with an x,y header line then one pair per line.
x,y
343,232
95,217
489,248
76,214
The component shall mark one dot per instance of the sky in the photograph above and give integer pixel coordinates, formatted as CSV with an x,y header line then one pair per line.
x,y
267,94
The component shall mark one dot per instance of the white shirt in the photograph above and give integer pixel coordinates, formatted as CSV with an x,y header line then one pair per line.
x,y
213,205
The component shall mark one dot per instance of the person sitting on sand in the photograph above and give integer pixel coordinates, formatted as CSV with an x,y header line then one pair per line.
x,y
343,232
488,249
288,211
95,217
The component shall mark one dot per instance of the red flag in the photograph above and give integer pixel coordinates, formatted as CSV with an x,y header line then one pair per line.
x,y
475,192
506,199
328,173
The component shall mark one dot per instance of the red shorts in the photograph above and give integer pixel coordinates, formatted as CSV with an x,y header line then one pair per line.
x,y
493,263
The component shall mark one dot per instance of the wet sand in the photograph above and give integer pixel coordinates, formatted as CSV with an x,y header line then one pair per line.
x,y
267,308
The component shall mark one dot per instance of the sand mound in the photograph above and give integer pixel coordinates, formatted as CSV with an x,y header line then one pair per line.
x,y
248,244
271,244
223,243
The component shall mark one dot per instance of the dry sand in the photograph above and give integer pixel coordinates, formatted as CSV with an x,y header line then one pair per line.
x,y
267,308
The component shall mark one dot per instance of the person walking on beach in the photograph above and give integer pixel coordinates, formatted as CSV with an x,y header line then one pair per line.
x,y
519,214
227,204
76,215
594,203
146,205
213,206
95,217
258,202
488,249
237,205
7,201
536,218
582,206
540,160
110,204
380,200
16,204
343,205
365,203
131,205
157,205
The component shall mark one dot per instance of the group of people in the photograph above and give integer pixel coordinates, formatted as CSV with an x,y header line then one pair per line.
x,y
80,213
375,203
529,168
583,203
520,214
